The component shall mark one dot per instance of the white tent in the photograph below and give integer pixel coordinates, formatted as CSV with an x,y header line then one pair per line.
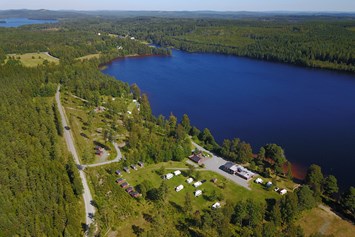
x,y
259,181
179,188
198,193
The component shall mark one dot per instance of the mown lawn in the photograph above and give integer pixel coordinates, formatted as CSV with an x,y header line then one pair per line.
x,y
224,188
34,59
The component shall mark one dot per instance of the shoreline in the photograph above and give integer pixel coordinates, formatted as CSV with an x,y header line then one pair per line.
x,y
103,66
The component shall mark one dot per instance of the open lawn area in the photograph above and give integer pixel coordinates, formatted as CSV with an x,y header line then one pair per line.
x,y
113,199
320,219
89,56
34,59
223,188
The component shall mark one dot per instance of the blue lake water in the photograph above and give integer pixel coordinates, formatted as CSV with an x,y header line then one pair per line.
x,y
16,22
309,112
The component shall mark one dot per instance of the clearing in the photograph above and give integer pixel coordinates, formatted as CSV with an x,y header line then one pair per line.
x,y
35,59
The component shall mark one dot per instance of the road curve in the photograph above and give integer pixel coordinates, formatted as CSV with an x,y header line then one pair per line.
x,y
117,159
89,208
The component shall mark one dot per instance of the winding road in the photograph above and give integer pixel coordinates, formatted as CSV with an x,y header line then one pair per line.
x,y
89,208
117,159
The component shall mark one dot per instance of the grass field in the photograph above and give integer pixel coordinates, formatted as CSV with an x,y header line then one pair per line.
x,y
321,220
224,188
34,59
85,133
90,56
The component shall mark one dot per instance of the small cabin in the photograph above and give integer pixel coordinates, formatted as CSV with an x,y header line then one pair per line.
x,y
124,185
259,181
135,194
129,190
177,172
134,167
189,180
214,180
179,188
197,184
216,205
119,181
169,176
198,193
140,163
126,169
118,172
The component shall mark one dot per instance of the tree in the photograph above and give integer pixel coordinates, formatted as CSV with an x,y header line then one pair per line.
x,y
135,91
145,109
314,178
245,152
330,185
261,154
187,204
172,122
289,174
277,155
275,214
185,122
208,139
269,230
289,208
347,201
306,198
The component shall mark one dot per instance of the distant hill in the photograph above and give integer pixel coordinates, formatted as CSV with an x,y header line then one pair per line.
x,y
49,14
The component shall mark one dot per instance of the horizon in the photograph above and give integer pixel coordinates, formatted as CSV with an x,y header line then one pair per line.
x,y
186,5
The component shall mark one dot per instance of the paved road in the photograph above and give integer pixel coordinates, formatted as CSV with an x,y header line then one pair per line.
x,y
215,162
117,159
89,208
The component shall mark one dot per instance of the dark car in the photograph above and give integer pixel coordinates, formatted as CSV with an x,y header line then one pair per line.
x,y
67,128
203,181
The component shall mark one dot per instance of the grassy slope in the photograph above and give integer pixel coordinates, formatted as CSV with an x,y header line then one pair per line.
x,y
85,136
103,181
90,56
320,220
34,59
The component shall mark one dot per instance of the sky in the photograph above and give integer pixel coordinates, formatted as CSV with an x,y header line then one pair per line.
x,y
180,5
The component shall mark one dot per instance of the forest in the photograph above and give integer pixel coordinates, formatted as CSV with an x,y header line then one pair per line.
x,y
40,191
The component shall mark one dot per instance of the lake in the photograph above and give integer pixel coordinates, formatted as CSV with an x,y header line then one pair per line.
x,y
16,22
309,112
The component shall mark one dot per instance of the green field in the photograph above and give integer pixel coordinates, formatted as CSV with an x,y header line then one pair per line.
x,y
326,222
89,56
34,59
87,128
113,200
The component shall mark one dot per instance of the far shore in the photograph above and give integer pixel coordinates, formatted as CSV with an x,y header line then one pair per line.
x,y
104,65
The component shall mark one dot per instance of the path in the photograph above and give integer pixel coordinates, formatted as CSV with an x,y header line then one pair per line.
x,y
89,208
117,159
215,162
47,53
